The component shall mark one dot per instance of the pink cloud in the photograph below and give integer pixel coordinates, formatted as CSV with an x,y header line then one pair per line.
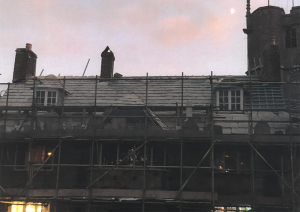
x,y
219,28
176,30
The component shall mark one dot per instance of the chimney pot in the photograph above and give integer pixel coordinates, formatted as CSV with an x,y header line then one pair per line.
x,y
107,64
29,46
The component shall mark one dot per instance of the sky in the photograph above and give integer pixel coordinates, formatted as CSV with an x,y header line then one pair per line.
x,y
158,37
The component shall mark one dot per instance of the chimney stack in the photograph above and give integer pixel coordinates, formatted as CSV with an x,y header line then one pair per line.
x,y
25,64
271,59
107,64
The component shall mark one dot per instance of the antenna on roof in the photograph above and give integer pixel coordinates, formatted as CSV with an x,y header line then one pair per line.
x,y
86,67
41,72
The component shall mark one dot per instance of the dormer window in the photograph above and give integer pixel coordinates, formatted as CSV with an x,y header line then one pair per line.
x,y
46,98
230,99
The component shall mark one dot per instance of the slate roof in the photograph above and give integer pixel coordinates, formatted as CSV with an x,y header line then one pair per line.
x,y
127,91
265,97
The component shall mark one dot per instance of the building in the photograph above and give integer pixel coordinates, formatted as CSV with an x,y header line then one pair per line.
x,y
113,143
268,25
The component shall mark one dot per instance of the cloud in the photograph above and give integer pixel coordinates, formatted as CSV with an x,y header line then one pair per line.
x,y
176,30
65,34
219,27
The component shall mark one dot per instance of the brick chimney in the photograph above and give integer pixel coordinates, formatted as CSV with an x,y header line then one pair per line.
x,y
25,64
107,64
271,60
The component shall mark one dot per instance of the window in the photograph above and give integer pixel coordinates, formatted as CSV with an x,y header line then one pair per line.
x,y
291,38
40,97
230,99
39,155
28,207
235,209
231,161
46,98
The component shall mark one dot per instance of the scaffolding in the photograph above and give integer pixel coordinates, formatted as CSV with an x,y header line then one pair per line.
x,y
147,153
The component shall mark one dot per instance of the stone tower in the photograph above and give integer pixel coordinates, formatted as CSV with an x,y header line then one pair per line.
x,y
268,26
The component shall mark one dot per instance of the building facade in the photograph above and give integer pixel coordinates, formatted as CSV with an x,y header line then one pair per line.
x,y
113,143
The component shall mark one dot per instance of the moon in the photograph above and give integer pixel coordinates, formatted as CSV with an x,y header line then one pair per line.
x,y
232,11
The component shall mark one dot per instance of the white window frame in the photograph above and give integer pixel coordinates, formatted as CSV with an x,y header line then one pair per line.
x,y
45,103
229,99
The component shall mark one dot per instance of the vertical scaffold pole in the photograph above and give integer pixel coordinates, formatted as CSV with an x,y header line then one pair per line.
x,y
33,114
282,176
181,142
93,144
291,148
33,105
4,139
59,145
251,137
212,141
145,146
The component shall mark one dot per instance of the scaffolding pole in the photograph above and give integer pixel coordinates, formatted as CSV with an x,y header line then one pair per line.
x,y
251,140
93,144
30,167
181,142
212,141
4,140
145,146
282,175
291,148
59,147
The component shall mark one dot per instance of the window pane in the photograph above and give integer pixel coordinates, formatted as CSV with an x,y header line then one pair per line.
x,y
233,107
49,94
232,100
225,106
225,93
238,106
238,93
36,155
53,94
